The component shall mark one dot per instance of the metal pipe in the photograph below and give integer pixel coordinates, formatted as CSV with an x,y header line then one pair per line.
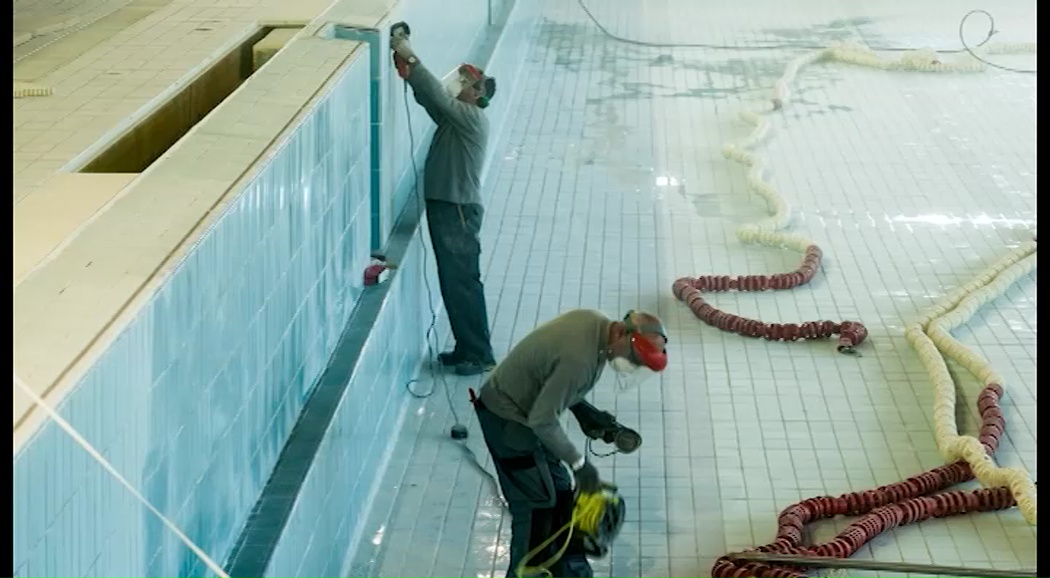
x,y
875,566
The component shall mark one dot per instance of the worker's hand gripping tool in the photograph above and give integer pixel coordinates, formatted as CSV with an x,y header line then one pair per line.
x,y
404,58
602,425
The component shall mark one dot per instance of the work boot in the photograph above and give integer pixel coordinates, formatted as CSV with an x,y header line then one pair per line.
x,y
468,368
450,358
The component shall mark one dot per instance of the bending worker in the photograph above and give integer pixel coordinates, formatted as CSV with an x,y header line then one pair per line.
x,y
451,186
520,406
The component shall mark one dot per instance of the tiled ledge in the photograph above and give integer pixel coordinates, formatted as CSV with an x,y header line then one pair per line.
x,y
99,88
71,306
66,202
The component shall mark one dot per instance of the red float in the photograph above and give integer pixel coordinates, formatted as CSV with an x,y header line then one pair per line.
x,y
918,498
689,289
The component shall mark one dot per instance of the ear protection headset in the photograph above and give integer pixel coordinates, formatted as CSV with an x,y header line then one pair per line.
x,y
643,352
484,84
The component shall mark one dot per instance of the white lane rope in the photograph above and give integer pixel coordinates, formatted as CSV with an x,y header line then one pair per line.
x,y
930,336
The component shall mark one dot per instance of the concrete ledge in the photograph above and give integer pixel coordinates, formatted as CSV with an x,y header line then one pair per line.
x,y
266,48
298,13
65,204
71,308
36,27
192,388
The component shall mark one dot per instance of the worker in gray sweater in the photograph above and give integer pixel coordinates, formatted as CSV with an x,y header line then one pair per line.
x,y
452,189
519,410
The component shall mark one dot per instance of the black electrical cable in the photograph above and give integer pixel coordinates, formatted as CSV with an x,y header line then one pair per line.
x,y
962,39
609,454
420,204
471,456
799,46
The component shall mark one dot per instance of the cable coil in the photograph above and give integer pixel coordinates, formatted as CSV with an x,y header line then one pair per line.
x,y
596,517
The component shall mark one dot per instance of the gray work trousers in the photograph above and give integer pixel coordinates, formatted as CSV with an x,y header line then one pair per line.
x,y
454,234
539,494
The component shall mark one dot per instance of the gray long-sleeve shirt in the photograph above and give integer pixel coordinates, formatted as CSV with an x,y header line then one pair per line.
x,y
551,369
452,172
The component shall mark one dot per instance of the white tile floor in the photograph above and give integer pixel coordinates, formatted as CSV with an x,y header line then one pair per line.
x,y
612,185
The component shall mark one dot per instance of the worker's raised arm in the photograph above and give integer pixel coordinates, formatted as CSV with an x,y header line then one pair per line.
x,y
443,108
439,104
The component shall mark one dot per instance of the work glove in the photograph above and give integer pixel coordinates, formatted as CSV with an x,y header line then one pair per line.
x,y
595,423
587,479
402,66
404,58
602,425
403,48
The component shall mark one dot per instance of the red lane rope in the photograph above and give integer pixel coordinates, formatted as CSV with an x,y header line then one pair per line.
x,y
883,508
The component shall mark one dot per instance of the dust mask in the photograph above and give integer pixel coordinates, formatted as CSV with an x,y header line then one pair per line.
x,y
622,366
628,375
644,359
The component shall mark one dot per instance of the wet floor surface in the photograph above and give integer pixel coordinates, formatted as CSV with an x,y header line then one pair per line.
x,y
609,184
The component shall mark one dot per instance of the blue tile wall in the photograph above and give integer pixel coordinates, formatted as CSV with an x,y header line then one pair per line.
x,y
505,63
332,506
336,494
194,400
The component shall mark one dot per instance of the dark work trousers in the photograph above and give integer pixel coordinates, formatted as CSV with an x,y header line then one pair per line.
x,y
454,233
538,490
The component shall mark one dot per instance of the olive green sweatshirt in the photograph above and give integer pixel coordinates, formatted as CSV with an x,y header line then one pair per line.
x,y
551,369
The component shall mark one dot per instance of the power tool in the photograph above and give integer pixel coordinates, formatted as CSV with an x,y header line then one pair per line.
x,y
398,32
602,425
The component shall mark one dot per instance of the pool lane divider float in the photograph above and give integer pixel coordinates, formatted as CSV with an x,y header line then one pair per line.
x,y
915,499
922,496
932,340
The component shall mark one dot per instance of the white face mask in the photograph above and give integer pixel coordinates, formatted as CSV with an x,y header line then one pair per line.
x,y
629,375
622,366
